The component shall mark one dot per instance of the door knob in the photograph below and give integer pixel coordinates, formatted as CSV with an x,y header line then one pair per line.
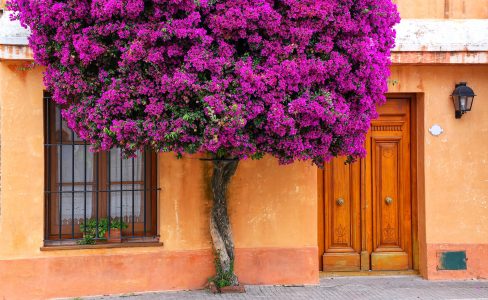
x,y
388,200
340,201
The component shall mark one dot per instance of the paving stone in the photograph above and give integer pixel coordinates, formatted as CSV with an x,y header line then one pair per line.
x,y
347,288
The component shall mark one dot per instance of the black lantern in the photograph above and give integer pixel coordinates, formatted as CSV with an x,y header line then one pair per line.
x,y
462,97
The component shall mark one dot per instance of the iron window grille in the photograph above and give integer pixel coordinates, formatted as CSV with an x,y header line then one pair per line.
x,y
81,187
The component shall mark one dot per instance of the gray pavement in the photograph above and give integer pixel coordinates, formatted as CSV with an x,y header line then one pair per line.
x,y
398,287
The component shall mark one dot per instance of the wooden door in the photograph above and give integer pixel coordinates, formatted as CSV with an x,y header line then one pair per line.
x,y
342,215
387,188
367,205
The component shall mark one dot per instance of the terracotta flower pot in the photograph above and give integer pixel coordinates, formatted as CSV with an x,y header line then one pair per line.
x,y
212,287
114,237
233,289
226,289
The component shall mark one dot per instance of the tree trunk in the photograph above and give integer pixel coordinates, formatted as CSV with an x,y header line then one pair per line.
x,y
219,219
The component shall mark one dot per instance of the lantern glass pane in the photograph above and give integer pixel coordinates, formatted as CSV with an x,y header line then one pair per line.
x,y
463,101
455,100
469,103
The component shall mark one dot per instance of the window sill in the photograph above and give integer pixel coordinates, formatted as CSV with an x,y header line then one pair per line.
x,y
102,246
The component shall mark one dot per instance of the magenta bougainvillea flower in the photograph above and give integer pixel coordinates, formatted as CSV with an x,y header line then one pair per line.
x,y
297,79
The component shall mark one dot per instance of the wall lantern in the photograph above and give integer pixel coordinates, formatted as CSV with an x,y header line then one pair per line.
x,y
462,97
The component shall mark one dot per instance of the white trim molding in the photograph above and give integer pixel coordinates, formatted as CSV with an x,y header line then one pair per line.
x,y
428,35
437,41
418,41
12,33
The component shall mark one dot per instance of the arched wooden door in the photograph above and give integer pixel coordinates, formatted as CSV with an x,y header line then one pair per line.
x,y
366,207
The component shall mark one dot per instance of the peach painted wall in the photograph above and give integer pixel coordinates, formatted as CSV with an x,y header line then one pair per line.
x,y
272,210
442,9
269,205
454,212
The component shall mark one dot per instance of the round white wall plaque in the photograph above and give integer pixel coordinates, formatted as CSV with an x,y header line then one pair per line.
x,y
436,130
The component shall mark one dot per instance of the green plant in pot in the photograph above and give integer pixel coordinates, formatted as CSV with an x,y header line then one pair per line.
x,y
90,229
115,236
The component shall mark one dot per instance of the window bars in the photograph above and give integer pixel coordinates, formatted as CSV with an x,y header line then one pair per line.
x,y
100,190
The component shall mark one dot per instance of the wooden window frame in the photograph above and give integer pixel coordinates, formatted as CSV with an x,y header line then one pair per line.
x,y
101,191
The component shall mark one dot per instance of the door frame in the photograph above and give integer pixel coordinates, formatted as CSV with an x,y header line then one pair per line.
x,y
416,166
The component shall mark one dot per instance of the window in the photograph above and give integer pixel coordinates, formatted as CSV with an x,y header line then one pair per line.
x,y
81,187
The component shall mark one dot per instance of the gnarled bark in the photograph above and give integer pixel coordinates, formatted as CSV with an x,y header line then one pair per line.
x,y
219,220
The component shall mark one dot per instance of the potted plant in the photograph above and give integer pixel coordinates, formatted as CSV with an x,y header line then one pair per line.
x,y
90,230
114,234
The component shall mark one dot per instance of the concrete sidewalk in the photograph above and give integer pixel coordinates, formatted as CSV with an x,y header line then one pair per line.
x,y
399,287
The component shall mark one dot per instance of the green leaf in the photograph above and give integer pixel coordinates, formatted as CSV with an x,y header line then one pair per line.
x,y
109,132
257,156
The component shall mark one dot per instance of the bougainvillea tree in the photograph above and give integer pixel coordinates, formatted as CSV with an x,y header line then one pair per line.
x,y
236,79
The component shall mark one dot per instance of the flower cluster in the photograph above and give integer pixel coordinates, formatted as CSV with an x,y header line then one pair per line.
x,y
296,79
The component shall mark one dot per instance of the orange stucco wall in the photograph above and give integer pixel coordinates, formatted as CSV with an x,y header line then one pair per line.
x,y
453,209
272,210
270,205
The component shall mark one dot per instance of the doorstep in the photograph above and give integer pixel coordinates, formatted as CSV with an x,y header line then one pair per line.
x,y
369,273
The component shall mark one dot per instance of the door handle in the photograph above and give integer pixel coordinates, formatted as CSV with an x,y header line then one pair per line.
x,y
340,201
388,200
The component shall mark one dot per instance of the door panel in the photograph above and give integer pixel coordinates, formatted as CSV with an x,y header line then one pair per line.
x,y
389,160
385,210
342,244
367,204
